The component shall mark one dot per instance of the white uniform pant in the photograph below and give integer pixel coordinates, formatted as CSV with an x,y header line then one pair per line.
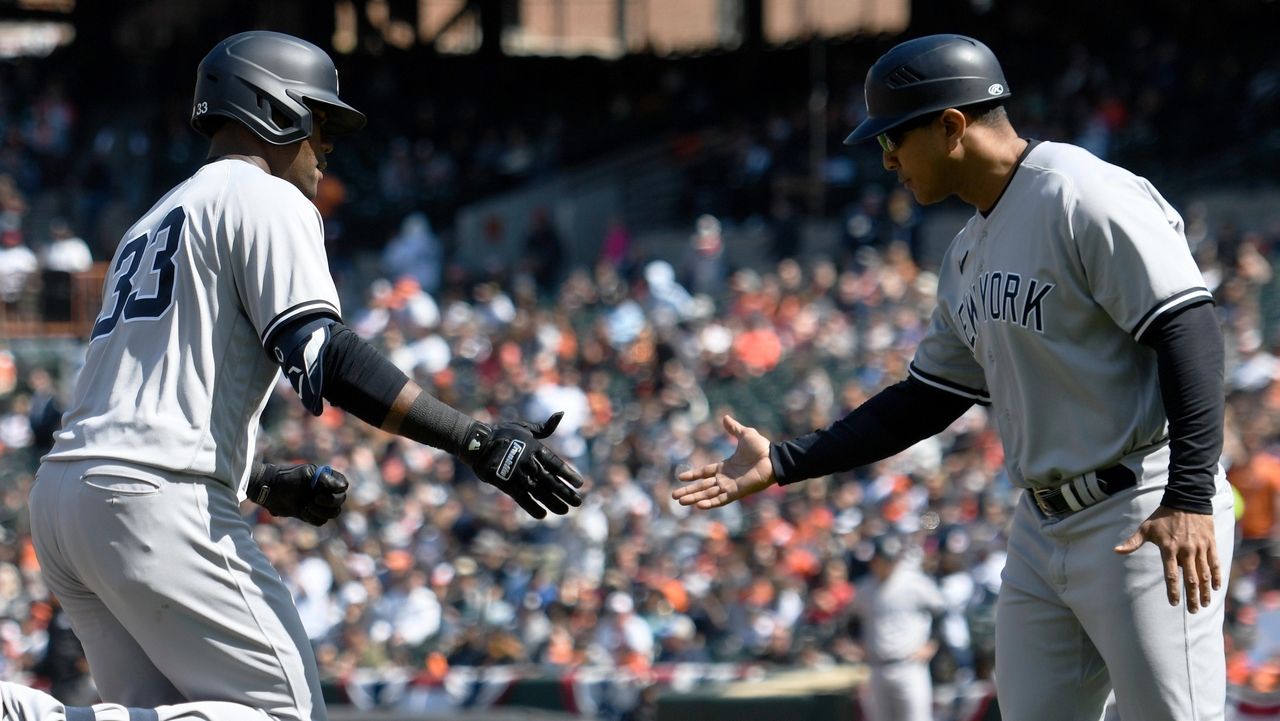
x,y
19,703
169,594
1074,619
901,691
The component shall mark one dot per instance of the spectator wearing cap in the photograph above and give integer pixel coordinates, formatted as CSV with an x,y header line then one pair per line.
x,y
896,606
625,638
680,642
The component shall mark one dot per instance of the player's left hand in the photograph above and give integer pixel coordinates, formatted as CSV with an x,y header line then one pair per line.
x,y
512,457
313,494
1186,540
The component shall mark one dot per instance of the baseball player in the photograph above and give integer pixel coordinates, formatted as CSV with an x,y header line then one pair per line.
x,y
896,606
1070,305
216,289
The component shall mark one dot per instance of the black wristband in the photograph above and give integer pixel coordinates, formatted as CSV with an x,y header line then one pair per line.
x,y
259,470
260,474
438,424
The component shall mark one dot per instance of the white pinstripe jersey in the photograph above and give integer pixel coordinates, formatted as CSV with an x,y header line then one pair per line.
x,y
1041,305
176,375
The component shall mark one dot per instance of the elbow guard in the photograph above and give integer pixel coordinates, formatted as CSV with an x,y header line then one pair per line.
x,y
300,350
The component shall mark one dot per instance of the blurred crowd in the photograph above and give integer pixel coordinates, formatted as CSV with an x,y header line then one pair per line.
x,y
744,127
428,569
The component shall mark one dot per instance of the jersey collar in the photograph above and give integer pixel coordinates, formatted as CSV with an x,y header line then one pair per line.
x,y
1025,152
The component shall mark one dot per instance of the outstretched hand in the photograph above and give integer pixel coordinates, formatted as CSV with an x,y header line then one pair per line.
x,y
747,471
511,457
1186,540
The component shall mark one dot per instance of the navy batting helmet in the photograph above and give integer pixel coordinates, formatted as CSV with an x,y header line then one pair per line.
x,y
270,82
928,75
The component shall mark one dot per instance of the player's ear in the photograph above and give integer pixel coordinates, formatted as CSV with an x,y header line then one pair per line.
x,y
954,125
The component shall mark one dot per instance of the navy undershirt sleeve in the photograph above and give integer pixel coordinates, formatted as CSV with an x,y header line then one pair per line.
x,y
1190,358
891,421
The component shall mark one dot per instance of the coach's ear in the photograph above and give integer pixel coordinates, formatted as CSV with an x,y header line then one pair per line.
x,y
954,126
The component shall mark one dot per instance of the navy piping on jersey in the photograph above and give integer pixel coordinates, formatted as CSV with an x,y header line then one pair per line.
x,y
309,307
972,394
1168,305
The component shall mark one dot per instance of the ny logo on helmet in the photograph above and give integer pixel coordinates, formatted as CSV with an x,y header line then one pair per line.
x,y
995,89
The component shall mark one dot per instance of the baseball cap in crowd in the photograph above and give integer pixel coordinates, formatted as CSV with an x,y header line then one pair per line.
x,y
888,546
620,603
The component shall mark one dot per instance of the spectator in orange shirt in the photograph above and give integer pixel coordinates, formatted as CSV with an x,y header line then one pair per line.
x,y
1257,477
758,349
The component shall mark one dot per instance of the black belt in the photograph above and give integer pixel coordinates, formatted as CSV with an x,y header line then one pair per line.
x,y
1084,490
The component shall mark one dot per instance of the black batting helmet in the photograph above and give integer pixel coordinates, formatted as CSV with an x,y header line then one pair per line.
x,y
928,75
270,82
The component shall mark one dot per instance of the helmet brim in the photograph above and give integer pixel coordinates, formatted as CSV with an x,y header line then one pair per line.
x,y
342,119
871,127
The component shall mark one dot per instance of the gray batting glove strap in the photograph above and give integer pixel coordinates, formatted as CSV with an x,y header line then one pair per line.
x,y
511,457
313,494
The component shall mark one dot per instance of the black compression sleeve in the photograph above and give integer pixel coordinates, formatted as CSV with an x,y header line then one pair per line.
x,y
1190,358
891,421
358,379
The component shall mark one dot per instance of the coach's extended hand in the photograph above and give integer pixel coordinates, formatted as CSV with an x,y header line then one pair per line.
x,y
747,471
511,457
314,494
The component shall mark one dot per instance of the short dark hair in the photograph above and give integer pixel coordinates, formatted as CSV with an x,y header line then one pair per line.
x,y
989,113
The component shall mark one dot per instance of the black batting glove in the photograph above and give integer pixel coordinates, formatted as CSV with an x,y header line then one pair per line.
x,y
313,494
511,457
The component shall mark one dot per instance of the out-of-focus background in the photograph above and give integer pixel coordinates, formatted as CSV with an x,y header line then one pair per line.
x,y
638,212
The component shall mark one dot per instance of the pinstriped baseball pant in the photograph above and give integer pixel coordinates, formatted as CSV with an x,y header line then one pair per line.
x,y
1074,619
170,595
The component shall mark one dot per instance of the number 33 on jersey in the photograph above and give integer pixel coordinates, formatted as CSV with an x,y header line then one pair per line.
x,y
137,294
196,289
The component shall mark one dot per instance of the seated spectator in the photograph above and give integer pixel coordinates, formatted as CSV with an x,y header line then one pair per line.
x,y
65,255
18,264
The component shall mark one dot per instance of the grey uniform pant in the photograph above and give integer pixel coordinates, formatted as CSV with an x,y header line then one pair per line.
x,y
901,691
1074,619
169,594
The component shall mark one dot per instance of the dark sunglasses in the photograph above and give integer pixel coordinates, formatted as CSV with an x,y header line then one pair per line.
x,y
891,140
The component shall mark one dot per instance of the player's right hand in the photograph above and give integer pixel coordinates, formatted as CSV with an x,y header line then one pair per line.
x,y
747,471
511,457
312,494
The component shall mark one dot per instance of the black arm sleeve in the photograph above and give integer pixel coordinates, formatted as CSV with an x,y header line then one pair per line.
x,y
360,380
1190,358
892,420
355,377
